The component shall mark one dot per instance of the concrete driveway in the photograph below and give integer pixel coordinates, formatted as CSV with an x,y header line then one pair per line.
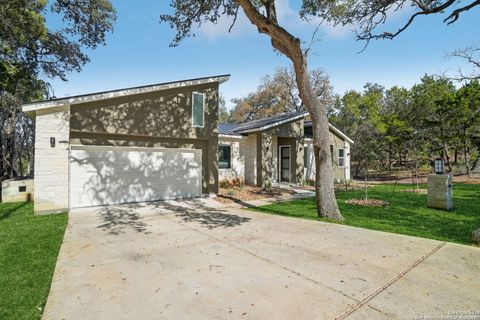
x,y
201,260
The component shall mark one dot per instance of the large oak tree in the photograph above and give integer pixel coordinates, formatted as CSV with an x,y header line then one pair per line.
x,y
263,15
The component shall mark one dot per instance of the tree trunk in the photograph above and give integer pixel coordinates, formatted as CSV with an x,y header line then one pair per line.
x,y
466,151
390,155
325,190
290,46
447,157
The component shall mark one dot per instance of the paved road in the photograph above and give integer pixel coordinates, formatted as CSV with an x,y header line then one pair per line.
x,y
201,260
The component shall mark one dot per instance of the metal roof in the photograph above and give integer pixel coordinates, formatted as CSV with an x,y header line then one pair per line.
x,y
259,124
239,129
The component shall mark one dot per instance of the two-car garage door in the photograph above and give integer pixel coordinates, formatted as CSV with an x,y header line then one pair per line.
x,y
114,175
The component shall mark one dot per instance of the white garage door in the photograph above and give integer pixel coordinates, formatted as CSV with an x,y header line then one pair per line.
x,y
113,175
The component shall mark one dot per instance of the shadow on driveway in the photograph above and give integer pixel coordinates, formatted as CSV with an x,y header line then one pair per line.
x,y
116,219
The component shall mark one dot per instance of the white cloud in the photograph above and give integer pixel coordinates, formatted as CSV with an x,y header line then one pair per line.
x,y
213,32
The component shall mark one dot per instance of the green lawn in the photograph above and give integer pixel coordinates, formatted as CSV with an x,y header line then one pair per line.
x,y
29,247
406,214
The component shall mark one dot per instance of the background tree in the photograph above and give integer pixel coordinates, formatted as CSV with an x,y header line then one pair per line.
x,y
433,100
471,55
399,129
279,93
223,113
30,50
467,118
263,15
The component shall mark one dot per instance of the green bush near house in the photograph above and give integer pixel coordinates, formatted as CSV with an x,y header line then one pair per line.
x,y
407,213
29,247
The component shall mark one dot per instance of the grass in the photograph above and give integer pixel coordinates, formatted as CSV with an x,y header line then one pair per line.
x,y
29,247
407,213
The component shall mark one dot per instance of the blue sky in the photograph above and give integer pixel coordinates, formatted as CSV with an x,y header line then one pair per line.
x,y
138,52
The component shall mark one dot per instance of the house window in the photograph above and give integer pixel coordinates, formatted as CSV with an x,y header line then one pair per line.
x,y
341,157
305,156
331,155
198,109
224,157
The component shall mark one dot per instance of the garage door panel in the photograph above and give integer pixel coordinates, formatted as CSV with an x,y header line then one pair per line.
x,y
107,176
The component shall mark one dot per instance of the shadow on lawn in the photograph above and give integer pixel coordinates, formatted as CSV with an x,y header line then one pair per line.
x,y
8,212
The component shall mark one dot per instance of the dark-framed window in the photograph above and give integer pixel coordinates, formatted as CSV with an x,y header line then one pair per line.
x,y
198,109
341,157
331,155
224,157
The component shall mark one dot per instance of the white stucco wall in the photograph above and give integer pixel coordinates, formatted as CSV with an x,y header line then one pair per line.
x,y
341,173
51,174
237,170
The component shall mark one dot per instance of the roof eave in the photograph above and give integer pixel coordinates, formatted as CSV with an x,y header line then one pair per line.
x,y
275,124
340,133
32,107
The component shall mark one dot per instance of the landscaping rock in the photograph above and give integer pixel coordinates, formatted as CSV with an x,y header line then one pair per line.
x,y
476,236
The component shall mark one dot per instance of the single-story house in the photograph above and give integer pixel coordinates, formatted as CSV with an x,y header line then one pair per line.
x,y
277,149
160,142
131,145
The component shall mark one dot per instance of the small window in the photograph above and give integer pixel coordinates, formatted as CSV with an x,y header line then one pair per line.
x,y
331,155
305,156
224,157
198,108
341,157
22,189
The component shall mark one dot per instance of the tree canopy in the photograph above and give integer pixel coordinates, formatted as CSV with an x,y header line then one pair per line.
x,y
32,50
28,45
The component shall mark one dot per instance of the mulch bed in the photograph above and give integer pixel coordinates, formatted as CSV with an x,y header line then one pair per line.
x,y
368,202
247,193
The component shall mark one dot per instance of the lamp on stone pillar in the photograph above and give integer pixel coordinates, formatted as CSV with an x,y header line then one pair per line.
x,y
439,166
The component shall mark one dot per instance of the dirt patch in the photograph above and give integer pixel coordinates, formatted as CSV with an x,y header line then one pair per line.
x,y
247,193
368,202
419,191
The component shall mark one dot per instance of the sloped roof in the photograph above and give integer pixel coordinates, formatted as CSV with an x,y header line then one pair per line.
x,y
239,129
52,103
334,129
228,128
260,124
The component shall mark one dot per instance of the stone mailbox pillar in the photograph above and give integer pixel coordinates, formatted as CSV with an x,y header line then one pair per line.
x,y
439,191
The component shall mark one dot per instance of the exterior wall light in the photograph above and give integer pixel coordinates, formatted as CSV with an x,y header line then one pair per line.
x,y
439,166
52,142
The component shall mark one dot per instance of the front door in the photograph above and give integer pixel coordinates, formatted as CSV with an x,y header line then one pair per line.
x,y
285,163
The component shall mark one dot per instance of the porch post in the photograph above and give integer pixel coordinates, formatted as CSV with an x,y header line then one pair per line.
x,y
264,160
